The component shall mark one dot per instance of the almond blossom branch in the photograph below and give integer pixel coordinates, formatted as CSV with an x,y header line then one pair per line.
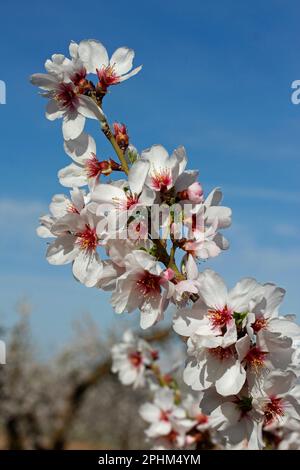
x,y
240,349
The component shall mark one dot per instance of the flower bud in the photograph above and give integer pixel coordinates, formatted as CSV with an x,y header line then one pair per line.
x,y
131,154
168,274
121,136
194,193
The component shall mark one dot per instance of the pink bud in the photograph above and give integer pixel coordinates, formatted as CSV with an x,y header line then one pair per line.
x,y
121,135
168,274
195,192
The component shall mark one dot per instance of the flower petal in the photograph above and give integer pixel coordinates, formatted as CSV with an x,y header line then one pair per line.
x,y
72,176
88,108
231,382
62,250
52,110
87,268
137,175
157,156
73,125
122,60
44,81
212,289
130,74
93,55
81,148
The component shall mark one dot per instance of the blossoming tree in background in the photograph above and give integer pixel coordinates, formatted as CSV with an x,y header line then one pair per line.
x,y
138,226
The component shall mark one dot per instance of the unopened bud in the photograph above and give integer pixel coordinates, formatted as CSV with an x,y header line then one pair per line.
x,y
121,136
154,355
131,154
194,193
168,274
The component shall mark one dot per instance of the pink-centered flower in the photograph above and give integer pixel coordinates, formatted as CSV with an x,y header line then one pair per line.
x,y
203,239
164,171
131,359
144,286
76,239
118,68
168,422
64,86
276,395
214,312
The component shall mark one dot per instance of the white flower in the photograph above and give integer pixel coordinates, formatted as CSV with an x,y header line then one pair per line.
x,y
62,85
211,329
260,358
202,422
125,195
143,286
273,332
190,284
131,358
111,71
238,419
61,205
214,312
240,424
122,199
164,171
278,398
204,222
87,168
214,361
167,420
216,212
76,242
115,266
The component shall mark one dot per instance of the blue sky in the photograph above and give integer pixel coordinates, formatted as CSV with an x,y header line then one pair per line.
x,y
217,78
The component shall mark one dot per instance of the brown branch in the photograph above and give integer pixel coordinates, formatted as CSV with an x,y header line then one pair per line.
x,y
74,401
12,428
77,395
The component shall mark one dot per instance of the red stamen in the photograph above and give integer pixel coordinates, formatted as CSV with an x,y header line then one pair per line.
x,y
94,167
259,324
136,359
149,284
221,353
273,410
220,317
164,415
161,181
255,358
78,78
88,239
66,96
130,202
107,77
72,209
